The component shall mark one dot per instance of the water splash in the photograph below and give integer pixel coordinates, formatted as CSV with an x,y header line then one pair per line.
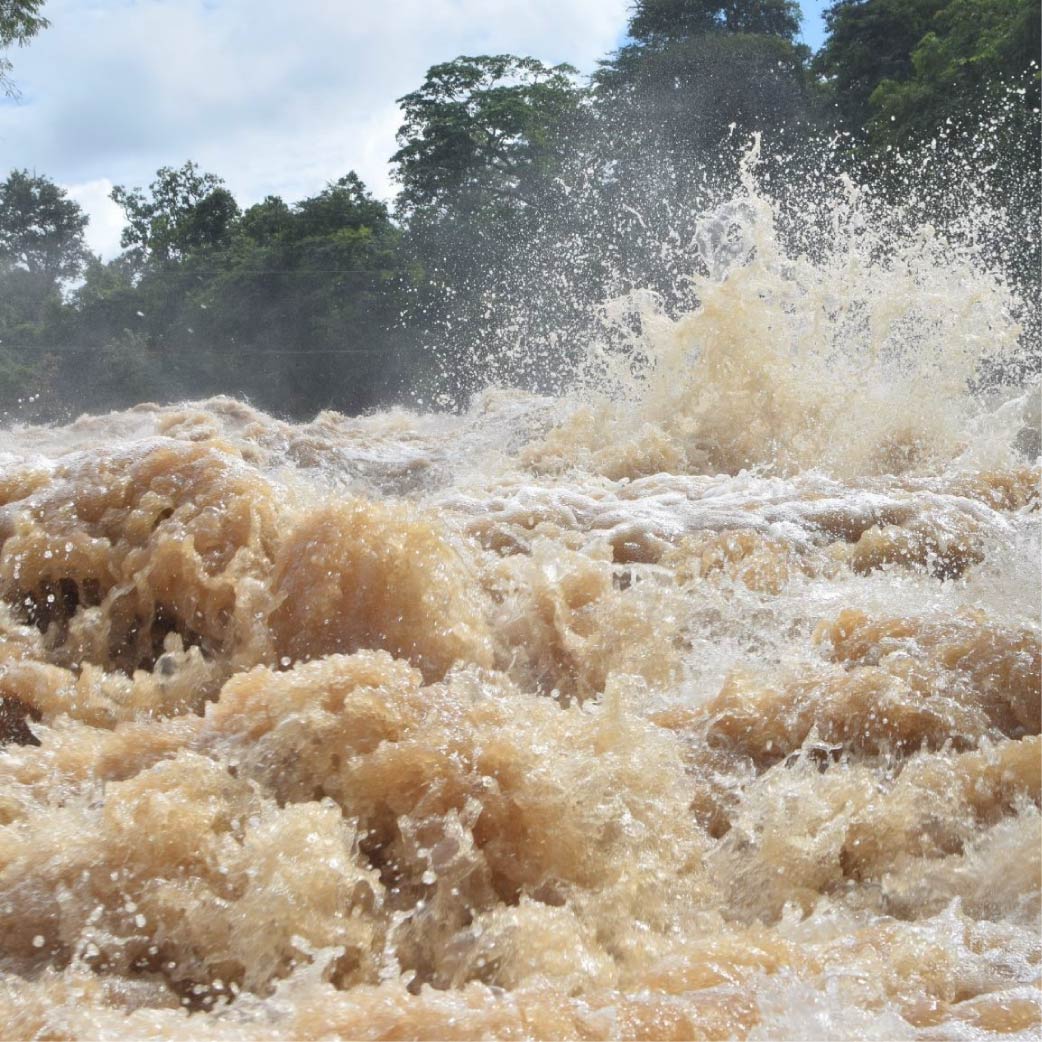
x,y
858,351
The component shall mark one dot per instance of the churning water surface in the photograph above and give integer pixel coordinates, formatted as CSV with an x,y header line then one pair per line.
x,y
700,701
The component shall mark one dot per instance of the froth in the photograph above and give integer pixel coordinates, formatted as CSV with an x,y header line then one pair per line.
x,y
857,349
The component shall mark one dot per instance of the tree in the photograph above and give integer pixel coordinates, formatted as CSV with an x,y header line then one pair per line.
x,y
943,96
974,52
185,211
483,151
41,248
483,130
977,68
20,21
312,291
294,306
661,20
869,41
902,68
701,72
343,204
41,228
700,91
267,221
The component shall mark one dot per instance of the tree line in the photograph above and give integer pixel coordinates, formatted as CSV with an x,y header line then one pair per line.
x,y
526,195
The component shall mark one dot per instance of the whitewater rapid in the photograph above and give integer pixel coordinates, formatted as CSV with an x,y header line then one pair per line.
x,y
700,701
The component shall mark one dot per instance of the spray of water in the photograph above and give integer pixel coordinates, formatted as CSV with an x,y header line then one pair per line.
x,y
860,354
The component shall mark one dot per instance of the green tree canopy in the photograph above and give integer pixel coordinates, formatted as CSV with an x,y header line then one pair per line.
x,y
41,228
184,211
342,204
266,221
661,20
291,305
305,300
41,247
869,41
483,129
902,68
700,72
973,53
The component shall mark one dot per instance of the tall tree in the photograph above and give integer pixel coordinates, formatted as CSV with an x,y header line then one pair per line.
x,y
483,130
294,306
344,204
41,228
306,300
677,107
698,72
947,92
867,42
41,246
483,149
184,211
265,222
677,19
974,53
41,249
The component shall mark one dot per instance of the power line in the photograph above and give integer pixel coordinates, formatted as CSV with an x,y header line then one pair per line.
x,y
263,271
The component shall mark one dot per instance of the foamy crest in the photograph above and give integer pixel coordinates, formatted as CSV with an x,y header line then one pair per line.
x,y
857,349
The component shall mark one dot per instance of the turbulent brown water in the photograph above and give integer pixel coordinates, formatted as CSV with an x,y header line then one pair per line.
x,y
704,706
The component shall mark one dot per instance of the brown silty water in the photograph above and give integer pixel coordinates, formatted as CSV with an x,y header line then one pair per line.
x,y
705,706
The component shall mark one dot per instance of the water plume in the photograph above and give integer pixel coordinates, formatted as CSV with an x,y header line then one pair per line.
x,y
849,351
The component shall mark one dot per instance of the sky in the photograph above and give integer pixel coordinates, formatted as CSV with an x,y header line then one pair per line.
x,y
277,98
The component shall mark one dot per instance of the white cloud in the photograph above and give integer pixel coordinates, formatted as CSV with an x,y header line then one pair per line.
x,y
106,218
275,97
